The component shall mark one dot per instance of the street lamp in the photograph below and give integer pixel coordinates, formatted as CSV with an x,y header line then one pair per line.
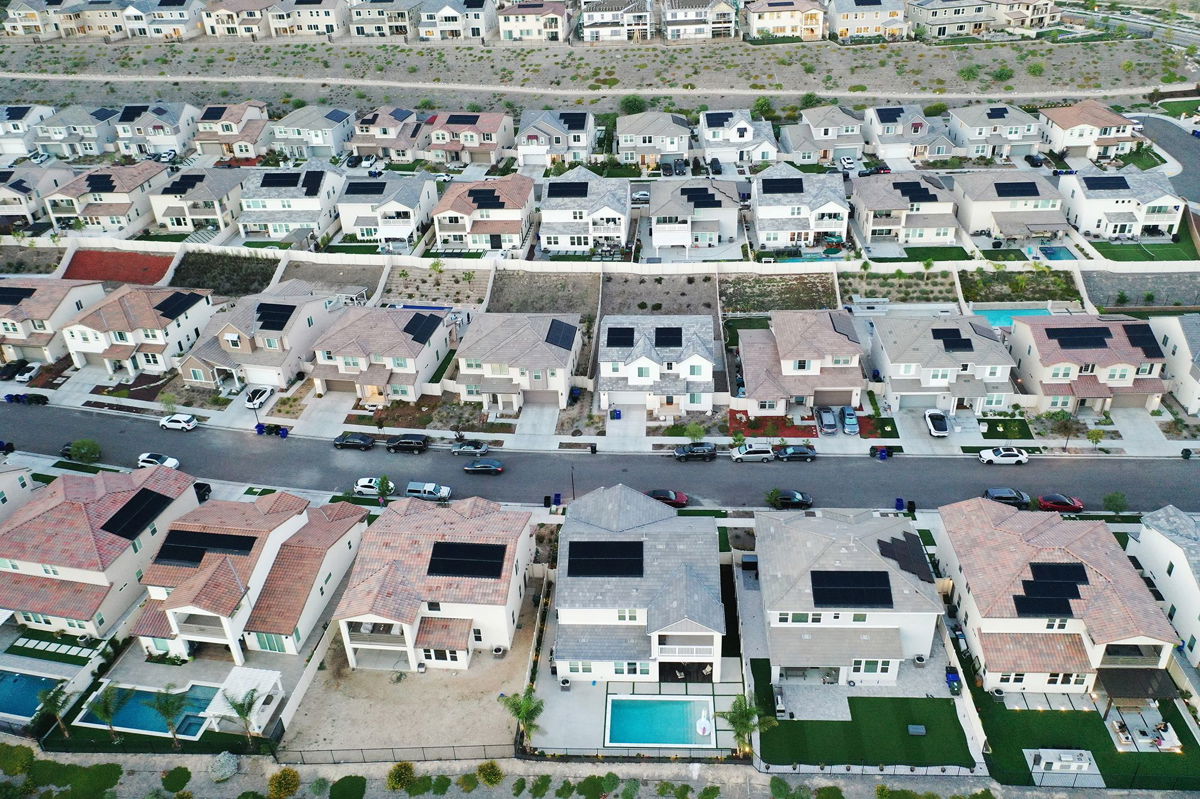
x,y
572,481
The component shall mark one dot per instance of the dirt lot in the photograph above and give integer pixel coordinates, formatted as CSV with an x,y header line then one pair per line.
x,y
550,292
777,292
925,287
29,260
451,287
1142,289
671,294
335,276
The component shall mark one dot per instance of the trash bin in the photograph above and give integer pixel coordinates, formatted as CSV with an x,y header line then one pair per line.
x,y
10,397
912,506
883,456
260,428
283,431
616,413
899,500
592,447
1183,453
557,499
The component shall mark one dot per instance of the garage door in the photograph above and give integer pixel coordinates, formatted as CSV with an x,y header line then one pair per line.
x,y
918,401
1022,149
339,385
845,152
1129,401
540,159
541,398
829,397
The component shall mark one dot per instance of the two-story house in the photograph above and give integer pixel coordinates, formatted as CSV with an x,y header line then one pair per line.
x,y
733,137
390,208
548,137
823,135
247,575
1131,204
237,19
905,208
384,19
994,131
1026,14
583,212
71,557
802,19
233,131
77,130
902,131
139,329
1179,339
1017,207
106,199
34,311
943,362
105,20
397,134
444,20
844,591
18,126
435,583
198,199
155,129
638,594
652,136
17,487
23,191
617,21
536,22
1048,605
1087,129
314,131
484,215
294,203
175,20
381,355
1094,362
791,210
804,359
32,18
693,214
948,19
857,19
263,339
697,19
658,364
289,18
469,138
1166,551
508,359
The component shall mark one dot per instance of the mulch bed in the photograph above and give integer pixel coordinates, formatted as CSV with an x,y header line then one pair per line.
x,y
111,406
770,427
51,376
868,427
124,267
144,387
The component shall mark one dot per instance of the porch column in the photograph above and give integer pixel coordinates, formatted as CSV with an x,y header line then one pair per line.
x,y
344,629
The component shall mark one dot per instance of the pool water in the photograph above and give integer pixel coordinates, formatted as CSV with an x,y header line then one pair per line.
x,y
138,713
1057,254
658,722
1003,317
19,693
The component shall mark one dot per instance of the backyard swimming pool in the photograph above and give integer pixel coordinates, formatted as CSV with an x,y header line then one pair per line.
x,y
1057,254
137,715
658,721
1003,317
19,693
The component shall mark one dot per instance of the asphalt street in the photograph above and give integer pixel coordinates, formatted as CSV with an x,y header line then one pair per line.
x,y
529,476
1184,148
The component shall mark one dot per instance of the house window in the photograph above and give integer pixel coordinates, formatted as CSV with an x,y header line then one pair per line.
x,y
766,405
696,370
137,546
99,620
1170,568
399,363
197,375
870,666
694,399
643,371
800,366
3,498
1056,624
939,375
842,360
1170,613
626,614
616,367
858,618
1060,373
478,635
153,529
434,607
1118,373
472,364
21,481
1060,402
1015,678
270,642
1191,645
272,343
1145,369
472,391
993,401
5,563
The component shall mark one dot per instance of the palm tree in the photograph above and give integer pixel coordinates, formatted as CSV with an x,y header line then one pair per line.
x,y
744,718
244,709
525,708
55,702
170,705
108,704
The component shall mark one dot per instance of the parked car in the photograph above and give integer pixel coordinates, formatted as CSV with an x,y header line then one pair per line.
x,y
849,420
882,169
640,197
256,398
369,161
714,166
147,459
203,491
167,157
354,161
484,466
357,440
796,452
676,499
369,487
846,162
696,451
429,491
39,158
178,421
752,452
409,442
667,170
470,447
681,166
827,421
31,370
1035,160
1060,502
935,420
1008,496
1007,455
13,368
791,500
442,177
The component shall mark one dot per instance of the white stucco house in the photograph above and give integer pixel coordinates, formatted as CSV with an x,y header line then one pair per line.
x,y
508,359
1166,551
733,137
1179,338
658,364
34,311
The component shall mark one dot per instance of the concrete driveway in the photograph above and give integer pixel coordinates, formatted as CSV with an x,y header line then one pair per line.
x,y
536,426
325,417
627,434
1184,148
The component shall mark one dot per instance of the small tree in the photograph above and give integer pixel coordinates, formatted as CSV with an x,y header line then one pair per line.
x,y
168,401
437,266
739,438
525,708
400,776
85,450
55,702
385,488
1115,502
694,431
244,710
927,265
108,704
632,104
169,705
745,720
1095,436
490,773
762,108
1062,423
283,783
773,497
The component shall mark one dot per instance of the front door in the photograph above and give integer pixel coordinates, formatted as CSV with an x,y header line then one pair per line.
x,y
496,241
495,399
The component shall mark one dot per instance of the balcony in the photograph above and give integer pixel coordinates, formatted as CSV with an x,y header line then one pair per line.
x,y
685,651
203,626
379,639
1129,661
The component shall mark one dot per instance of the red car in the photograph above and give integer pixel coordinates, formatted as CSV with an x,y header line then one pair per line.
x,y
1061,503
676,499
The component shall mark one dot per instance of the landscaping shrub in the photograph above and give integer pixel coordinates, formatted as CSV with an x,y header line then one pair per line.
x,y
420,786
518,786
666,788
184,795
251,795
830,792
540,786
711,792
610,782
780,788
319,787
401,776
15,760
11,790
441,784
467,783
227,275
82,782
682,790
631,790
176,779
351,787
283,783
590,787
490,773
565,790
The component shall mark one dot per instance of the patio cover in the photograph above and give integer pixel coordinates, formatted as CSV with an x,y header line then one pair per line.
x,y
239,682
1021,224
1121,684
835,646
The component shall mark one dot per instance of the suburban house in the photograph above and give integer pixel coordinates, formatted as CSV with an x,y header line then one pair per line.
x,y
824,134
233,131
803,19
291,203
847,594
175,20
1166,552
943,362
1026,14
237,19
506,360
17,487
77,130
733,137
548,137
138,329
198,199
469,138
949,19
902,131
651,136
391,207
389,19
1088,129
804,359
791,209
994,131
106,20
382,355
435,583
106,199
583,212
71,556
18,126
263,339
1179,338
1011,206
904,208
695,214
638,594
1048,605
1125,205
251,576
34,311
289,18
23,191
1094,362
534,21
31,18
155,129
314,131
390,132
697,19
485,215
662,365
456,19
617,21
856,19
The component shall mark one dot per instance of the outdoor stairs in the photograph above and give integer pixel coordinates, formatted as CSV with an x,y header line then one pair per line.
x,y
201,236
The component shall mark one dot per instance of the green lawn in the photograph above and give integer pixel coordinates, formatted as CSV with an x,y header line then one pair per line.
x,y
81,467
723,539
443,366
717,514
80,782
163,236
413,167
1177,107
1185,250
45,654
927,537
1013,428
45,479
957,40
1005,255
1144,158
732,326
88,739
817,169
267,245
923,253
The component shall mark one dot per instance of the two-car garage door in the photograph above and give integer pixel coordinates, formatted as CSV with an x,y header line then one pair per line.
x,y
918,401
833,397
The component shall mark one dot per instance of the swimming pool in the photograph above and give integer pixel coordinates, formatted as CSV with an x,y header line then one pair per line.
x,y
1003,317
19,693
137,715
1057,254
658,721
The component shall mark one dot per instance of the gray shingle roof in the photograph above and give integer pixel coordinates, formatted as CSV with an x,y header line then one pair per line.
x,y
1180,528
602,193
1145,187
698,338
910,340
819,189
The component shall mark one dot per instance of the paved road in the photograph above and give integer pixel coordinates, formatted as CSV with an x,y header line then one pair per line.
x,y
835,481
1184,148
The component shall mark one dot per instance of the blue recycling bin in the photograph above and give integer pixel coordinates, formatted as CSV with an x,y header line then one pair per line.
x,y
260,428
883,456
283,432
10,397
616,413
558,499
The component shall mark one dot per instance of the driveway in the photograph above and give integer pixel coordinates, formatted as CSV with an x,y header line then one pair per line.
x,y
536,426
325,417
1181,146
627,434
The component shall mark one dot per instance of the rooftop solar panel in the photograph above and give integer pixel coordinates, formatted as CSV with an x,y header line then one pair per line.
x,y
280,180
213,112
561,334
668,337
783,186
860,589
570,189
1045,588
1059,572
178,304
188,547
362,187
158,110
100,183
620,337
997,112
132,112
183,184
462,119
312,182
890,114
718,119
604,559
909,554
273,316
459,559
573,120
1021,188
6,176
136,514
11,295
14,112
1106,183
1141,335
1042,607
914,191
336,115
421,326
1079,338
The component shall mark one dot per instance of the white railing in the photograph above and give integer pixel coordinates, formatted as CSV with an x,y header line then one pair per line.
x,y
685,651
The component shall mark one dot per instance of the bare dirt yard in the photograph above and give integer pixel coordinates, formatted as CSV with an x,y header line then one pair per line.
x,y
29,260
335,276
665,294
456,287
1142,289
550,292
777,292
899,287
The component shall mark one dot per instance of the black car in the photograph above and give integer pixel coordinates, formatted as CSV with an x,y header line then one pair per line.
x,y
792,500
714,166
203,491
357,440
866,173
796,452
681,166
1035,160
354,161
410,442
696,451
11,369
667,171
1008,496
484,466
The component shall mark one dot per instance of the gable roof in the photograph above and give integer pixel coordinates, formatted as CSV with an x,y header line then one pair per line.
x,y
601,192
516,339
376,331
513,191
133,308
809,335
1118,348
698,337
910,339
124,179
653,123
978,115
47,294
818,189
1085,112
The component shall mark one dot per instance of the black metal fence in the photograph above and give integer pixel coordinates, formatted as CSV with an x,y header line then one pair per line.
x,y
311,757
16,728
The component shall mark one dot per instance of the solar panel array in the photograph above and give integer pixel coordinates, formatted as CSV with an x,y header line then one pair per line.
x,y
365,187
718,119
569,189
909,554
1106,183
914,191
132,112
312,182
178,303
1049,593
1079,338
336,115
102,114
213,112
997,112
605,559
280,180
16,112
889,114
700,197
102,182
458,559
273,316
6,176
11,295
462,119
620,337
183,184
573,120
1021,188
485,198
1140,335
783,186
668,337
851,589
421,327
136,514
952,339
560,334
188,547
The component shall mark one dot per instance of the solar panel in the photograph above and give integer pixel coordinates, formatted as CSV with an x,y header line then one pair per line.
x,y
178,304
102,114
1059,572
1140,335
16,111
889,114
100,183
909,554
421,326
312,182
997,112
6,176
183,184
604,559
783,186
365,187
620,337
158,110
718,119
213,112
481,192
456,559
136,514
561,334
1043,607
1079,338
336,115
914,191
571,189
665,337
462,119
280,180
1023,188
573,120
132,112
1042,588
400,114
860,589
1106,183
952,340
188,547
867,2
273,316
779,3
11,295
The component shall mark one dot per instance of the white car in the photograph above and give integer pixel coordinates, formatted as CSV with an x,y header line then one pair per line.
x,y
846,162
935,420
640,197
442,177
178,421
39,157
167,157
369,487
256,398
147,459
1004,455
29,372
369,162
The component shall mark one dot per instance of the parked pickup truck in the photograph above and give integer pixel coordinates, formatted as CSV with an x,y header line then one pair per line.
x,y
430,491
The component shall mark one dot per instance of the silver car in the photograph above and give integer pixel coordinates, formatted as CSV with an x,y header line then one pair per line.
x,y
827,421
849,421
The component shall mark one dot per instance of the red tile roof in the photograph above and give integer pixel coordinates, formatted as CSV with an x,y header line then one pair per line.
x,y
51,596
1039,653
152,623
443,633
123,267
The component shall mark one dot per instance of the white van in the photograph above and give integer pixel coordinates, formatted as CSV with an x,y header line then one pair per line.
x,y
752,452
